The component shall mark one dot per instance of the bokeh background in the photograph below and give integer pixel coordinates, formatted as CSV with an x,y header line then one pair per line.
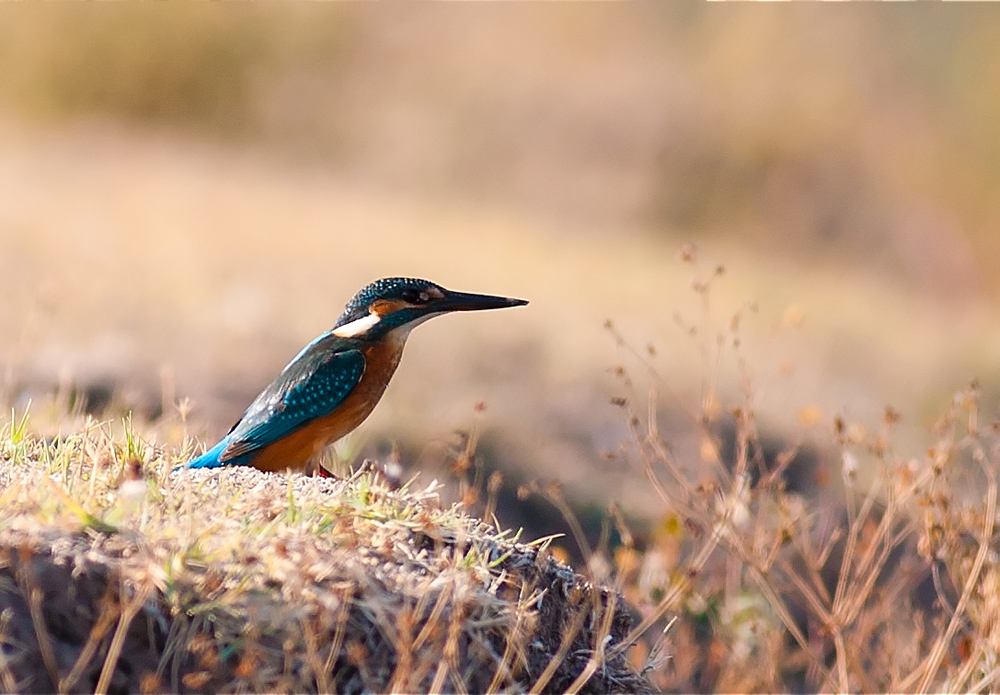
x,y
188,194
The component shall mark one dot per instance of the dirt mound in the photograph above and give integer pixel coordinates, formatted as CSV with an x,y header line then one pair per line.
x,y
201,581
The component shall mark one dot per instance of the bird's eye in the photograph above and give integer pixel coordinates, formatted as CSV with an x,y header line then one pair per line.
x,y
414,297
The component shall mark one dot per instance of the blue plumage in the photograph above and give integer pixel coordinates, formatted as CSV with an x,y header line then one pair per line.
x,y
311,386
316,383
210,459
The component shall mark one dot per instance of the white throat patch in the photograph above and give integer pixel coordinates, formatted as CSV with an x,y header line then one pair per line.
x,y
357,326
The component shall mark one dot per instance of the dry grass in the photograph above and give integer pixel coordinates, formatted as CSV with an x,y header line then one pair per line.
x,y
117,575
884,583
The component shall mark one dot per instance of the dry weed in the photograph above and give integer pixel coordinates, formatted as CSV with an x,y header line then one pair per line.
x,y
886,583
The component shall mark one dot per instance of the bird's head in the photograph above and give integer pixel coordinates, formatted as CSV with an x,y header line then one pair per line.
x,y
402,303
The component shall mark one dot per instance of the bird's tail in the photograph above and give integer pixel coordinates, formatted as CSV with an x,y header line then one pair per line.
x,y
210,459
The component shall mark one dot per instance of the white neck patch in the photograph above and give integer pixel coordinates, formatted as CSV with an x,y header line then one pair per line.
x,y
357,326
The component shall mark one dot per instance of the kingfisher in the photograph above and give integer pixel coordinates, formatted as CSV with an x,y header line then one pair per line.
x,y
335,381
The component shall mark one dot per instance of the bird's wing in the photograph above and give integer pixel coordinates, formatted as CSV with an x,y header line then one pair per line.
x,y
311,386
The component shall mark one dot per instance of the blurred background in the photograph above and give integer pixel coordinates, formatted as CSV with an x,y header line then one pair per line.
x,y
189,194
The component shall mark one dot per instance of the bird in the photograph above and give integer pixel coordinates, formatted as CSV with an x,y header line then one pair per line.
x,y
336,381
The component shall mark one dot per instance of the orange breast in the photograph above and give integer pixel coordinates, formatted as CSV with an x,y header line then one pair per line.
x,y
297,449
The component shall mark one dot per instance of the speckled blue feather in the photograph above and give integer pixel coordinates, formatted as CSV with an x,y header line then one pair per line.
x,y
311,386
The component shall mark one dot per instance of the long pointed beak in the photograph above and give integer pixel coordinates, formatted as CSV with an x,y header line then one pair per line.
x,y
463,301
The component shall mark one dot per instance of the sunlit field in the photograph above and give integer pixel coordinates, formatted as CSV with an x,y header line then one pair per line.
x,y
752,394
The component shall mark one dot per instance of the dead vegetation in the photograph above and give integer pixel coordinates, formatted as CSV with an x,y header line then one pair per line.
x,y
119,576
883,581
891,590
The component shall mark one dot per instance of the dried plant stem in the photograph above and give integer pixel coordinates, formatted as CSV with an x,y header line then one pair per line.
x,y
567,640
842,657
434,618
678,588
987,682
816,604
404,664
598,656
559,502
41,632
449,662
513,648
938,651
309,637
180,635
856,526
786,618
104,622
338,635
129,611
